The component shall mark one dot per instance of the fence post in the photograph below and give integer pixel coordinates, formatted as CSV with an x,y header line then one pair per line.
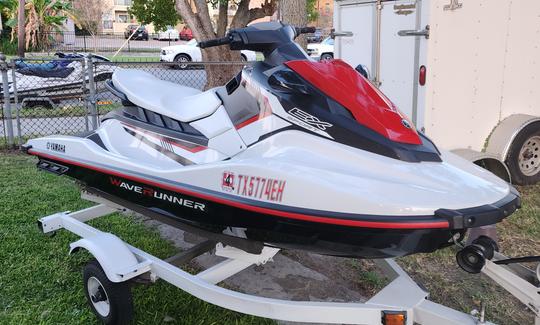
x,y
7,100
83,90
84,40
92,88
17,104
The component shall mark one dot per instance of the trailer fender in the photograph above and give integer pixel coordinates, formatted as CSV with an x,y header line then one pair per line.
x,y
487,161
114,256
503,135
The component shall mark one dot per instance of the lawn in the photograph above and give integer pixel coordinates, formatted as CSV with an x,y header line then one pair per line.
x,y
66,110
41,284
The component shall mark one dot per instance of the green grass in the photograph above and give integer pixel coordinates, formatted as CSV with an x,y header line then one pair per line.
x,y
103,106
41,284
127,58
519,235
6,46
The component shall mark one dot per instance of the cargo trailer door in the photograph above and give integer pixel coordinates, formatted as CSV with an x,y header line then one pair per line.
x,y
368,33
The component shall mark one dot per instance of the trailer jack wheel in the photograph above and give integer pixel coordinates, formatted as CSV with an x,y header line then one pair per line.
x,y
472,258
111,302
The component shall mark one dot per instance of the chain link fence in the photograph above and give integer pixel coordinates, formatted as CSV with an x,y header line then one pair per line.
x,y
107,42
69,96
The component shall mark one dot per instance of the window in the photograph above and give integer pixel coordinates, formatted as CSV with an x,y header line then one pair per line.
x,y
122,2
122,18
328,41
107,24
107,21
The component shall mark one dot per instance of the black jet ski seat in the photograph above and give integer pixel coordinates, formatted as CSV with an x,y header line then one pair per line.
x,y
178,102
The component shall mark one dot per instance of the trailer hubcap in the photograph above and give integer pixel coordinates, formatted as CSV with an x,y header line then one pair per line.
x,y
98,296
529,156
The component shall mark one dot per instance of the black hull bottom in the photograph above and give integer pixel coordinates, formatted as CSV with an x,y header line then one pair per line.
x,y
210,219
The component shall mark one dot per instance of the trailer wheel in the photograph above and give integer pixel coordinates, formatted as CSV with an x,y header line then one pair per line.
x,y
523,158
111,302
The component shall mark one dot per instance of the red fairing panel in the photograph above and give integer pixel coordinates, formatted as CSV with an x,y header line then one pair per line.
x,y
369,105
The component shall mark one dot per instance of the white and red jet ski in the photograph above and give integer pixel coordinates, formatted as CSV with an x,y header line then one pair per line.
x,y
291,153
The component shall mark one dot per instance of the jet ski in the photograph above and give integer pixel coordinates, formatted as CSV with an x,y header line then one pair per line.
x,y
291,153
48,83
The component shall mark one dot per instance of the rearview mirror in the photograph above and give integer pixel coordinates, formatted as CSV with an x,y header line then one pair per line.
x,y
362,70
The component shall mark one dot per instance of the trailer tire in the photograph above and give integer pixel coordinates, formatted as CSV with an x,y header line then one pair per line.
x,y
523,159
111,302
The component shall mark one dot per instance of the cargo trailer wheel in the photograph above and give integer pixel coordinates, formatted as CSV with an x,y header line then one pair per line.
x,y
524,156
111,302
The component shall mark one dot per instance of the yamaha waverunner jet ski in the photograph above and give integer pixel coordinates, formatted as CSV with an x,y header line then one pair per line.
x,y
290,153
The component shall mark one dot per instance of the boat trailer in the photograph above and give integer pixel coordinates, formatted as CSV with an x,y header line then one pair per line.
x,y
402,301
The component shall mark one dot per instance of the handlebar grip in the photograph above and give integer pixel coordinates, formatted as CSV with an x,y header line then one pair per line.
x,y
215,42
305,30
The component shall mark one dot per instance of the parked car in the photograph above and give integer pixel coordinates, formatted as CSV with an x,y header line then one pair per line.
x,y
190,52
323,50
186,34
168,34
140,32
316,37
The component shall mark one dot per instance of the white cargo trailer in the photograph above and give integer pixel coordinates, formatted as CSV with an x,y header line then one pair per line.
x,y
467,72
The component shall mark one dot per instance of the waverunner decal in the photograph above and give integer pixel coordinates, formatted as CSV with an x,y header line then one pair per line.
x,y
254,186
148,191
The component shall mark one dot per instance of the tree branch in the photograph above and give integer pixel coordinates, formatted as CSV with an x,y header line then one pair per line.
x,y
223,18
244,15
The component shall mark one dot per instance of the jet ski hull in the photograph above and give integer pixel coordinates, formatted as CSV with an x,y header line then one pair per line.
x,y
284,227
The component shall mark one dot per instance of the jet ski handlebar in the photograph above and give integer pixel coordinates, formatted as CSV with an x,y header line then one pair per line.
x,y
258,39
215,42
304,30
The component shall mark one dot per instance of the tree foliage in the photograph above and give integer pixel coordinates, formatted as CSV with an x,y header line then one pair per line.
x,y
312,12
43,18
161,13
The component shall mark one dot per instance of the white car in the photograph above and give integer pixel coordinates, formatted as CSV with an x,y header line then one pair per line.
x,y
190,52
323,50
169,34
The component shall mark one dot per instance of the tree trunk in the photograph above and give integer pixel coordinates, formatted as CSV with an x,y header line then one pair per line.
x,y
20,29
293,12
200,23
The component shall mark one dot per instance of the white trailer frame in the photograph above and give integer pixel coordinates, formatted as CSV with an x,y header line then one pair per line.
x,y
122,262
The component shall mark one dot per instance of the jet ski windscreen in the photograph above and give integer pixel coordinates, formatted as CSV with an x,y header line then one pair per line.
x,y
339,81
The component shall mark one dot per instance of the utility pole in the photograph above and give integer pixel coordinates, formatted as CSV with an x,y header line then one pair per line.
x,y
20,29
